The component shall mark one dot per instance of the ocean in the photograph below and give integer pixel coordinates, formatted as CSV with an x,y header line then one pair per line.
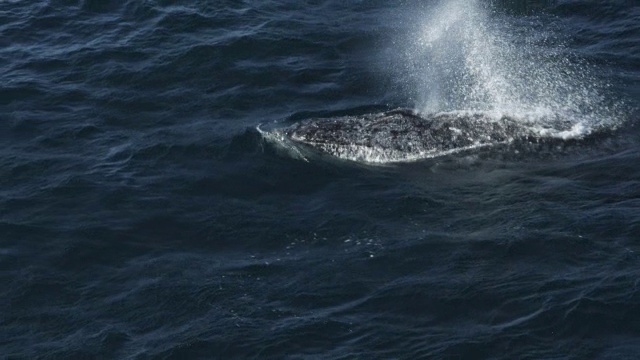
x,y
148,211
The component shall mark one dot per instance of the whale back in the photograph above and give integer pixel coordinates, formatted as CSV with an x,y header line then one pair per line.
x,y
402,135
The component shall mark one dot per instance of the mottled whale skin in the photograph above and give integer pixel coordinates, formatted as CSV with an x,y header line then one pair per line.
x,y
403,135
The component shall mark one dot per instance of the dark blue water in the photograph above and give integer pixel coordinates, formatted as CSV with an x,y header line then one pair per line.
x,y
143,216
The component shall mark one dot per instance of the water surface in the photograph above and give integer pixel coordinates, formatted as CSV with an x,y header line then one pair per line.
x,y
143,216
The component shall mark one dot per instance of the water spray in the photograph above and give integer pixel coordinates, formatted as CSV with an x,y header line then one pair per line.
x,y
468,57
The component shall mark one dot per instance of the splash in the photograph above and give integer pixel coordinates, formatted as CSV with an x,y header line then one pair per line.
x,y
467,57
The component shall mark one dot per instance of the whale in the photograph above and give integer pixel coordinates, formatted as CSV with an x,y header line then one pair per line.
x,y
402,135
